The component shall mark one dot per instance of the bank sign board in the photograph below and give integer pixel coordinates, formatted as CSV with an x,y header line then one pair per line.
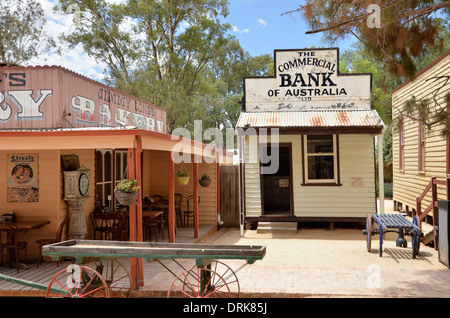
x,y
52,97
307,79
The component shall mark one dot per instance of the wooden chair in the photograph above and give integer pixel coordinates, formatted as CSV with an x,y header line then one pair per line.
x,y
178,200
99,223
154,203
150,227
189,213
115,226
42,242
13,247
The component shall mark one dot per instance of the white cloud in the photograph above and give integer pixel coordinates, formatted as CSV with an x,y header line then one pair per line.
x,y
74,59
237,30
262,22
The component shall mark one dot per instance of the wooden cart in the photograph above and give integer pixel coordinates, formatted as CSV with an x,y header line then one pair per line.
x,y
393,222
96,271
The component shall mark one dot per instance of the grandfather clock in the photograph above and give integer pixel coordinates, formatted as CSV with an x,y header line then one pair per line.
x,y
76,192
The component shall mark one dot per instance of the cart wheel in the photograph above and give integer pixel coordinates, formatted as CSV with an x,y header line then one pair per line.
x,y
116,276
369,232
228,275
77,281
415,238
199,282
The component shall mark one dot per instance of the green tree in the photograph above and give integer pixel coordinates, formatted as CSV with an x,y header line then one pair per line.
x,y
156,50
177,54
97,27
394,32
22,36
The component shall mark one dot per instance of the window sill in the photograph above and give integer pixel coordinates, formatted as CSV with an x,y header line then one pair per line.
x,y
322,184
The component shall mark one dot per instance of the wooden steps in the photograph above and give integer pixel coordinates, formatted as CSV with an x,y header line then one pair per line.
x,y
270,227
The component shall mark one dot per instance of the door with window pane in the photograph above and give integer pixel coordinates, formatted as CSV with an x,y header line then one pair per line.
x,y
276,186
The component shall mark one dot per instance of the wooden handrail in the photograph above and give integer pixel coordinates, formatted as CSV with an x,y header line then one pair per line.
x,y
425,192
433,206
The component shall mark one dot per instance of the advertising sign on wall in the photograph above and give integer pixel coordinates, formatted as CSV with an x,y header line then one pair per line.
x,y
53,97
307,79
23,178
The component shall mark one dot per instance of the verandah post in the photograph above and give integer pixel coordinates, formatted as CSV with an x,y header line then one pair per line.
x,y
196,218
171,199
135,213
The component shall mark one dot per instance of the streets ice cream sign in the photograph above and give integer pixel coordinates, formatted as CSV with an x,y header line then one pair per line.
x,y
307,79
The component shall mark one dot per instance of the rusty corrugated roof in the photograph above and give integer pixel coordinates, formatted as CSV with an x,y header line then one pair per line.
x,y
332,118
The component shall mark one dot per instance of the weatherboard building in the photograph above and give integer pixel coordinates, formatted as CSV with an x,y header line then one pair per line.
x,y
307,139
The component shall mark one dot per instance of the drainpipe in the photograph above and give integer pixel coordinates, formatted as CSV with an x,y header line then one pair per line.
x,y
241,205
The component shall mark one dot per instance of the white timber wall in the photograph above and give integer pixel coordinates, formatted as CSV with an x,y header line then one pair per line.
x,y
356,156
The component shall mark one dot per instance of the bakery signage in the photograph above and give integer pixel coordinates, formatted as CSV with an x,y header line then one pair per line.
x,y
53,97
307,79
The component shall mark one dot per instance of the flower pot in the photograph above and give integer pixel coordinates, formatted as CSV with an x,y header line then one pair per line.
x,y
204,182
182,180
126,198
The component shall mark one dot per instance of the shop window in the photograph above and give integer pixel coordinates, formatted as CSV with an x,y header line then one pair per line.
x,y
421,154
321,159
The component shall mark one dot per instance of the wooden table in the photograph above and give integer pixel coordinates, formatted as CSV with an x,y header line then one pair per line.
x,y
13,228
148,215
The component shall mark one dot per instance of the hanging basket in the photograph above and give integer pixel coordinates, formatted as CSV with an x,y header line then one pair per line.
x,y
126,198
182,180
204,182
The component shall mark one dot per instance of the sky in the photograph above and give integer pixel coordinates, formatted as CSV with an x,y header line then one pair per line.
x,y
259,25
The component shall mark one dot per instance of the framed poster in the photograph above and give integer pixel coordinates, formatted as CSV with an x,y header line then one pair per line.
x,y
23,176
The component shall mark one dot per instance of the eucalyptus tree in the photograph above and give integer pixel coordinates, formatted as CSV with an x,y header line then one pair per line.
x,y
22,35
394,32
155,49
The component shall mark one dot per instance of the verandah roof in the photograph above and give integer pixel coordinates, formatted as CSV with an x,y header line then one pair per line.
x,y
343,119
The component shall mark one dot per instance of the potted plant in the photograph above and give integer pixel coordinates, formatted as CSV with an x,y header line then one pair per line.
x,y
127,191
182,177
205,180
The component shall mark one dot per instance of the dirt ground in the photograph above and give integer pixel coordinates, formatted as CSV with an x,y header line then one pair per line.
x,y
321,247
315,245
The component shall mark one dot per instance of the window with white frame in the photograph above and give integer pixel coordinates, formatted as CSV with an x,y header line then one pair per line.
x,y
120,165
320,159
104,176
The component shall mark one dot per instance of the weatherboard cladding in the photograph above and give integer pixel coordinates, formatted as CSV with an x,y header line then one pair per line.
x,y
357,118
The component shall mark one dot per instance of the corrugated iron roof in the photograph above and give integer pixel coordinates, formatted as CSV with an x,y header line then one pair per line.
x,y
332,118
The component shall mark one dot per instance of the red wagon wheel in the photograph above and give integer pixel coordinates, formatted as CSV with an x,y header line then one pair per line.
x,y
228,275
116,275
199,282
77,281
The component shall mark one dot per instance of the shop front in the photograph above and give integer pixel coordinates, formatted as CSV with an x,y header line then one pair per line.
x,y
54,121
307,142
